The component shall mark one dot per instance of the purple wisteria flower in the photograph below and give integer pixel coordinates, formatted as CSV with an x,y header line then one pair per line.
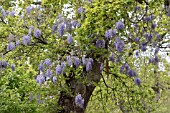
x,y
41,67
63,66
153,26
3,64
3,12
137,39
13,67
69,61
143,47
54,28
47,62
111,58
158,37
29,9
79,101
119,25
58,70
131,73
119,44
26,39
12,13
77,62
100,43
89,66
156,50
137,53
60,30
75,23
37,33
122,68
81,10
148,36
30,29
69,39
48,73
40,79
110,33
17,42
137,81
11,46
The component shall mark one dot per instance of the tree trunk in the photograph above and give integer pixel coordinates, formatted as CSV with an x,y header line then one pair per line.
x,y
67,102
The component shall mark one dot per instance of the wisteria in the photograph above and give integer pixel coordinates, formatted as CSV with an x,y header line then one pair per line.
x,y
12,13
61,29
137,81
54,79
69,61
100,43
77,62
63,66
26,39
13,67
47,62
110,33
119,44
41,67
37,33
11,46
40,79
58,70
29,9
89,66
119,25
111,58
81,10
69,39
79,101
3,64
48,73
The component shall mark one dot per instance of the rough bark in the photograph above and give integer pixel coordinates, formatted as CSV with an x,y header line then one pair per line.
x,y
67,102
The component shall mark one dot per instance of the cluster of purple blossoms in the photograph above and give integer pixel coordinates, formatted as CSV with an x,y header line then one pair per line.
x,y
26,39
69,61
17,42
30,30
137,39
60,30
89,64
110,33
48,73
69,39
156,50
158,37
79,101
148,36
12,13
154,60
54,28
119,25
119,44
111,58
75,23
143,47
47,62
29,9
137,81
58,70
81,10
77,62
40,79
54,79
100,43
37,33
131,73
3,12
84,60
13,67
154,25
63,66
11,46
3,64
41,67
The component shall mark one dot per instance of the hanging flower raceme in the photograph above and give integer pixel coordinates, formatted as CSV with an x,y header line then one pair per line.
x,y
11,46
48,73
37,33
100,43
79,101
137,81
69,61
111,58
47,62
69,39
77,62
3,64
81,10
41,67
119,25
119,44
13,67
110,33
26,39
58,70
61,28
40,79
